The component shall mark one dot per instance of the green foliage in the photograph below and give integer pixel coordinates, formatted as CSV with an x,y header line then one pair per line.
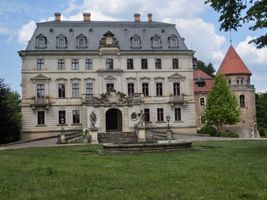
x,y
222,106
210,130
261,112
10,115
235,13
229,134
219,170
208,69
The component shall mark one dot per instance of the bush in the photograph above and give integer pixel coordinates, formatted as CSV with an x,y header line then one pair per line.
x,y
210,130
262,131
229,134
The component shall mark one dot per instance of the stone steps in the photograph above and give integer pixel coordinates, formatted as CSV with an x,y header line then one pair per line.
x,y
117,137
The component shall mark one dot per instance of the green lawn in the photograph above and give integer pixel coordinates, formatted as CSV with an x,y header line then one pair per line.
x,y
211,170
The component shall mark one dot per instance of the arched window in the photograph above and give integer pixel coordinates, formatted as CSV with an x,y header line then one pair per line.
x,y
41,41
156,42
135,42
242,101
173,41
202,101
61,41
81,41
109,63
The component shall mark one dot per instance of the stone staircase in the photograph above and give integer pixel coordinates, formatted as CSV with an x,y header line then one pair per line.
x,y
117,137
155,135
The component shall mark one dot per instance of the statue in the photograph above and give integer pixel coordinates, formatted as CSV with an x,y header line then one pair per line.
x,y
141,119
93,120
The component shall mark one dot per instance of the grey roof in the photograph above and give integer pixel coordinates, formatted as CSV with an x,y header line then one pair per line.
x,y
94,30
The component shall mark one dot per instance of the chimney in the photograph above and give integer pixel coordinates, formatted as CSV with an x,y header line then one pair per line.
x,y
149,17
87,17
137,17
57,17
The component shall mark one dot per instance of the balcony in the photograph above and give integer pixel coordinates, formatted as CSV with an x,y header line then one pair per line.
x,y
179,99
111,98
40,102
242,87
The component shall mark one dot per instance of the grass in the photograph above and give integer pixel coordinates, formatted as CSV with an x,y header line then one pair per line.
x,y
211,170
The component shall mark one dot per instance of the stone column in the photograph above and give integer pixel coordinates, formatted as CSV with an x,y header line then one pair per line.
x,y
125,119
102,120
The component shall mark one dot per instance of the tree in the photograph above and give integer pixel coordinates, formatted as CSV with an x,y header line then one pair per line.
x,y
10,115
261,110
234,13
222,106
208,69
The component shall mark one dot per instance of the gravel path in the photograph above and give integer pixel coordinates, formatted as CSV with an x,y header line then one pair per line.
x,y
53,141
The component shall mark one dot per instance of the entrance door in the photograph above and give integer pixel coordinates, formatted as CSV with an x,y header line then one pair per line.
x,y
113,120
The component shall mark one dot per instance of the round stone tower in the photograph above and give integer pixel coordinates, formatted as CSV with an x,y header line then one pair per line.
x,y
238,75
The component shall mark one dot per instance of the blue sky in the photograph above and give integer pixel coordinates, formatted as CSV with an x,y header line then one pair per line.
x,y
195,21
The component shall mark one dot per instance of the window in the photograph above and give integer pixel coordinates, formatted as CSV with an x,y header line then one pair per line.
x,y
147,115
242,101
176,89
177,114
74,64
61,90
81,41
88,64
40,90
155,42
158,89
229,81
110,87
89,88
172,41
40,64
130,64
40,117
175,63
237,81
109,63
145,89
75,116
41,42
75,90
202,101
158,63
130,89
160,115
62,117
135,42
61,64
61,41
241,81
144,64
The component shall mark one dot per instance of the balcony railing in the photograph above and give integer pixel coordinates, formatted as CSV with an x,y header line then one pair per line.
x,y
40,102
177,99
119,98
242,87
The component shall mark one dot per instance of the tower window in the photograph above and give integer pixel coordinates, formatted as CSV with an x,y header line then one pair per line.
x,y
242,101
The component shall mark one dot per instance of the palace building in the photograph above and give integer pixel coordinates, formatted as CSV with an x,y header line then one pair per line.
x,y
110,76
113,70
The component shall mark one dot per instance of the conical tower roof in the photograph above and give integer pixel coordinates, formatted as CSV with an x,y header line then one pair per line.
x,y
232,64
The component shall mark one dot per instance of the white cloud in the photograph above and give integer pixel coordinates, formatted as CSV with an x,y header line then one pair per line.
x,y
202,37
26,32
251,54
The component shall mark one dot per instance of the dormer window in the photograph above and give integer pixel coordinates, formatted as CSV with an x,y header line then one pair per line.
x,y
156,42
135,42
81,41
109,63
173,41
41,42
61,41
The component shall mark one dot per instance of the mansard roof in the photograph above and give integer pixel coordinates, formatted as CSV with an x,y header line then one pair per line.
x,y
94,31
232,64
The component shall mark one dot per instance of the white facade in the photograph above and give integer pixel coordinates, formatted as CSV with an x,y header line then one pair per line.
x,y
42,100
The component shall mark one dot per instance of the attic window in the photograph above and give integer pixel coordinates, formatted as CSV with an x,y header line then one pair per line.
x,y
200,82
41,41
90,30
61,41
81,41
51,30
155,42
173,41
135,42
